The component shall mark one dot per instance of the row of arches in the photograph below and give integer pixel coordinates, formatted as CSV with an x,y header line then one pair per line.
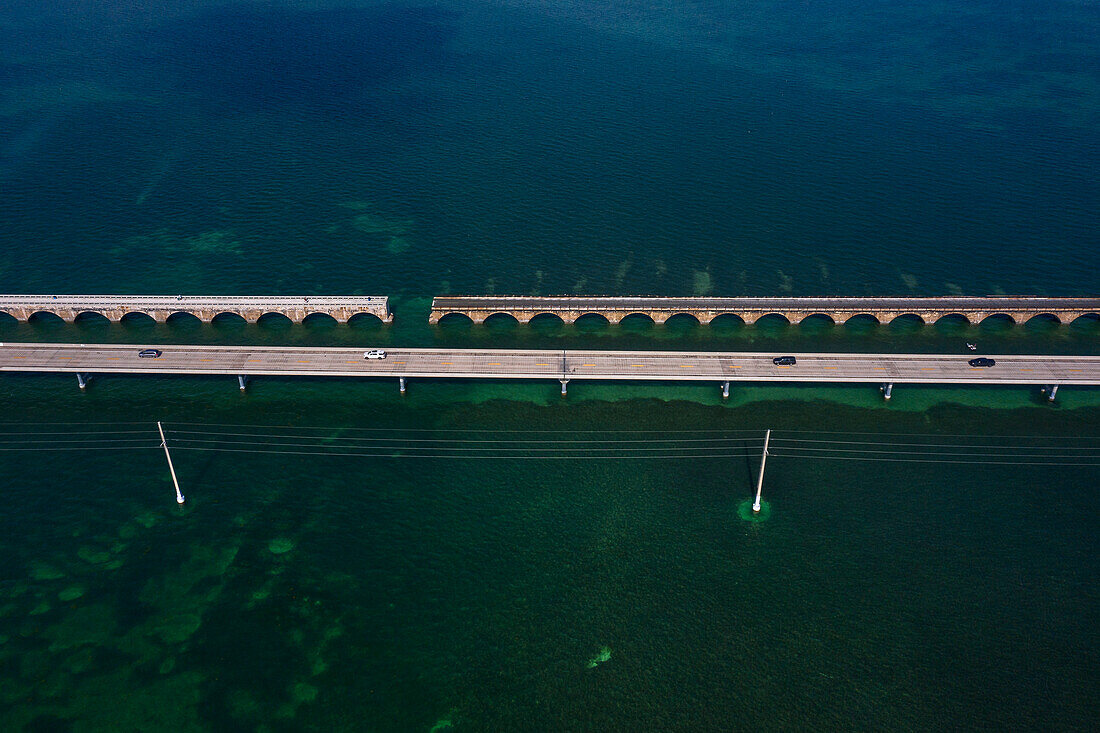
x,y
734,319
184,317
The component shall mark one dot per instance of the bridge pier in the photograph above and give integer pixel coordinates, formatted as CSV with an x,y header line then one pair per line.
x,y
82,379
401,384
887,390
564,382
1052,391
242,381
725,390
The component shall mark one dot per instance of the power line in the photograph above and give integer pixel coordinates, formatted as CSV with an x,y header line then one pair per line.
x,y
579,451
81,422
463,440
927,445
468,430
74,432
926,453
460,457
918,460
73,440
695,431
78,447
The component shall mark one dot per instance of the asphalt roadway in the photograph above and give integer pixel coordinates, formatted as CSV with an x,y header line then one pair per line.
x,y
556,365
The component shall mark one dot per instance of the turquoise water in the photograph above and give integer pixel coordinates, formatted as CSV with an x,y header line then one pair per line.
x,y
548,147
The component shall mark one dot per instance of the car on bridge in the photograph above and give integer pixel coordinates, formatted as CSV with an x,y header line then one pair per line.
x,y
149,353
374,354
784,361
981,361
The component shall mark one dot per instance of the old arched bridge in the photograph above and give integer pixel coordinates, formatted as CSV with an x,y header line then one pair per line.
x,y
749,310
203,307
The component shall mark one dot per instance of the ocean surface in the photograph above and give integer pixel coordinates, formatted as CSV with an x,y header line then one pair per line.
x,y
477,556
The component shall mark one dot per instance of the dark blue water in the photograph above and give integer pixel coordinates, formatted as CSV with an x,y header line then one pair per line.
x,y
414,149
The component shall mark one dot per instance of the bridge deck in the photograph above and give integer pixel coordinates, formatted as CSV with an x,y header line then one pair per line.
x,y
584,365
205,307
524,308
1001,304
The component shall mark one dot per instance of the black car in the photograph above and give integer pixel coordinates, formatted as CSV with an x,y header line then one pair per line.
x,y
784,361
149,353
981,361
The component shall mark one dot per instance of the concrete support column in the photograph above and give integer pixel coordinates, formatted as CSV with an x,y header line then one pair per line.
x,y
82,379
401,384
242,381
564,382
1052,392
725,390
887,390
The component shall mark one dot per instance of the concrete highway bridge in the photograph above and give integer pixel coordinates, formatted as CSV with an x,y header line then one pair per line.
x,y
203,307
558,365
749,310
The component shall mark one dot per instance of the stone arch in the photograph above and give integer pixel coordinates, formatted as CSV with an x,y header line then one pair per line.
x,y
826,317
137,317
727,320
501,318
638,316
454,318
275,318
592,317
228,317
362,319
908,318
951,320
91,317
868,318
44,317
773,317
682,317
1038,318
318,318
994,318
183,318
546,322
6,315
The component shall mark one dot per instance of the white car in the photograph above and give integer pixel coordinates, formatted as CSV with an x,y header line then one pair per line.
x,y
374,354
